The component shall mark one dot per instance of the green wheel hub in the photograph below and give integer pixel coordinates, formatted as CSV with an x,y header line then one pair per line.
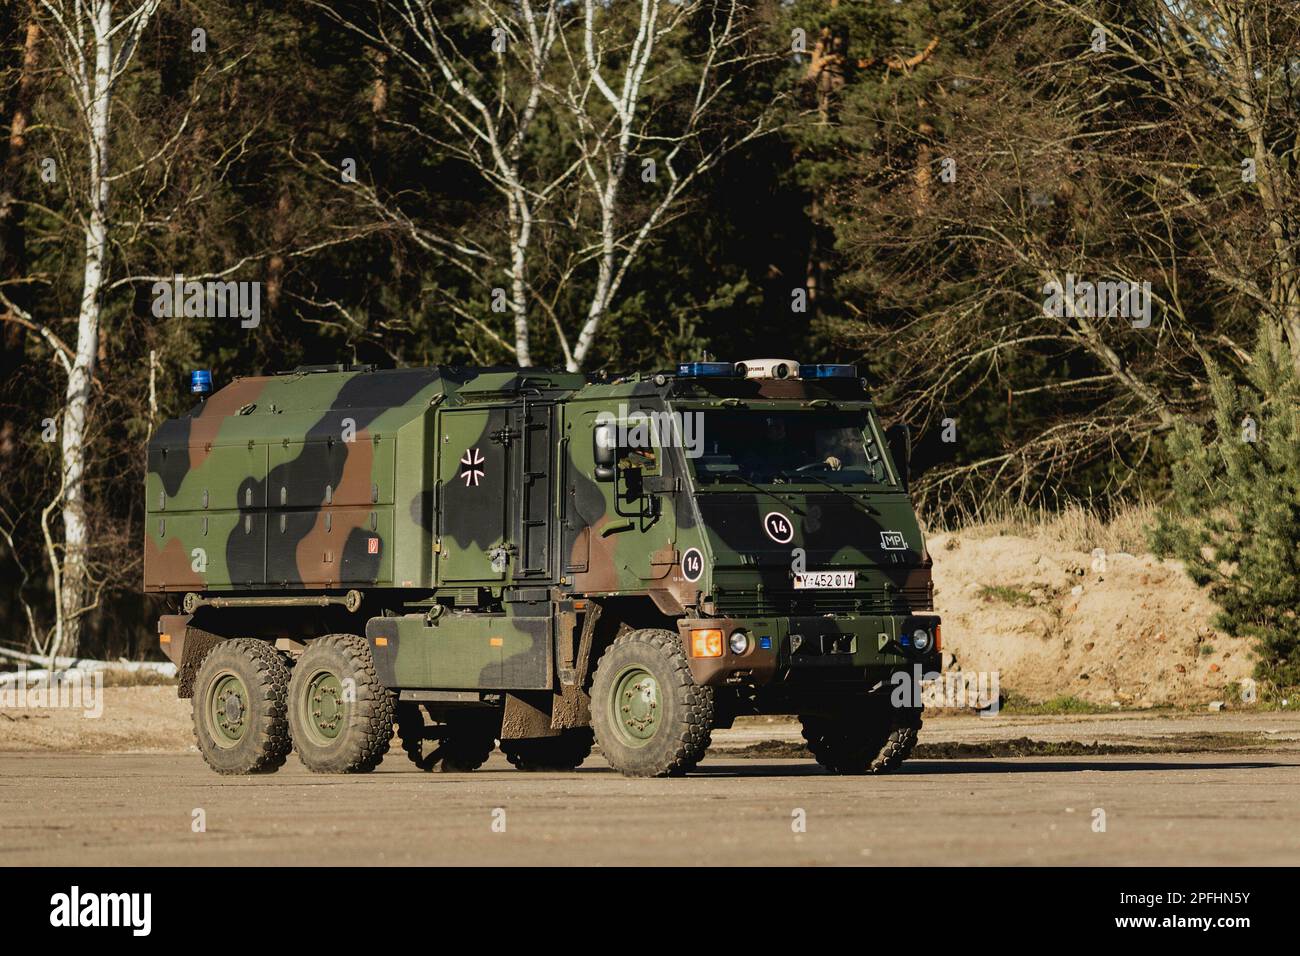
x,y
635,709
322,707
228,710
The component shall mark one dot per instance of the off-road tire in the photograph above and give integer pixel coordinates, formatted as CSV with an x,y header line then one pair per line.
x,y
463,741
685,709
565,751
875,738
362,728
264,675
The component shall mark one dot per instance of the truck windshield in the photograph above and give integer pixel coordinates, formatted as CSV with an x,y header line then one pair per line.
x,y
773,448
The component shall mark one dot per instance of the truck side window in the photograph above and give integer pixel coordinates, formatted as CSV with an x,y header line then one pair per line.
x,y
644,452
646,459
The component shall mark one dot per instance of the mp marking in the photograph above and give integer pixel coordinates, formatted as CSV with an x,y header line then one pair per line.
x,y
893,541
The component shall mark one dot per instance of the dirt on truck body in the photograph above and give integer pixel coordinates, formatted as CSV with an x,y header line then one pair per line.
x,y
538,558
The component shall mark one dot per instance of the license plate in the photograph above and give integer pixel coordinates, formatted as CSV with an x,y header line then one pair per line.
x,y
825,580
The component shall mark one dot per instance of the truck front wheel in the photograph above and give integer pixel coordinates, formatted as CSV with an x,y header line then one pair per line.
x,y
651,718
872,738
340,714
239,707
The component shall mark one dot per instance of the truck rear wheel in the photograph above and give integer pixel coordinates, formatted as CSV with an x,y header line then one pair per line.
x,y
650,717
460,743
239,708
565,751
875,738
340,714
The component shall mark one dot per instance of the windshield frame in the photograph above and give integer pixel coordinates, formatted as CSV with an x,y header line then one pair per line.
x,y
793,483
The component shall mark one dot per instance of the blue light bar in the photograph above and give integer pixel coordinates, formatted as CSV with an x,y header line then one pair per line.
x,y
828,371
200,381
706,370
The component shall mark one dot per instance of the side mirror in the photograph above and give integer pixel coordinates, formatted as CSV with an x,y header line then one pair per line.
x,y
604,439
899,439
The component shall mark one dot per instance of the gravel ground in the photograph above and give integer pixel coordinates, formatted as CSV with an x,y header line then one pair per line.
x,y
1223,794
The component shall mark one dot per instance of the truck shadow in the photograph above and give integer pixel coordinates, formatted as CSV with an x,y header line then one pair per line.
x,y
984,766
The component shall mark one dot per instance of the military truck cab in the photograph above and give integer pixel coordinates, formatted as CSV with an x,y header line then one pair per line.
x,y
538,558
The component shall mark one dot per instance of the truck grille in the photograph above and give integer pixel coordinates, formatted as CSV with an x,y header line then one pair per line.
x,y
788,602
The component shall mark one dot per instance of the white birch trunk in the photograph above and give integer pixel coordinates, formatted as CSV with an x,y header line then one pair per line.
x,y
78,26
76,583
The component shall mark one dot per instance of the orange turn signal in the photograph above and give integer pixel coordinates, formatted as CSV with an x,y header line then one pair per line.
x,y
938,639
381,642
706,642
164,639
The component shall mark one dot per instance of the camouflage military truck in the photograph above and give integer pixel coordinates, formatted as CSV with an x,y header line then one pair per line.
x,y
537,558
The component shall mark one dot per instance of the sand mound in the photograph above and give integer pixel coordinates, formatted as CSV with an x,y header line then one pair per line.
x,y
1054,621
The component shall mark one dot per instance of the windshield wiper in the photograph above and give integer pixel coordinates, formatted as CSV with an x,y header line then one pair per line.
x,y
835,488
761,490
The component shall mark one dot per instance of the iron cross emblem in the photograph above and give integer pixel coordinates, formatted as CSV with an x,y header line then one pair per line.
x,y
472,467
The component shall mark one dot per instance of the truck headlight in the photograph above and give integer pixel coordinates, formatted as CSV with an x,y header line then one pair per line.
x,y
921,640
738,642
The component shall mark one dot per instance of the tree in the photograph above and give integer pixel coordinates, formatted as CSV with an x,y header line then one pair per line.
x,y
1092,142
93,49
548,104
1234,514
200,125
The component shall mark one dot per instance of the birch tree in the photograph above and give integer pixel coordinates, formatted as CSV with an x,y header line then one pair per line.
x,y
549,102
482,108
610,79
94,48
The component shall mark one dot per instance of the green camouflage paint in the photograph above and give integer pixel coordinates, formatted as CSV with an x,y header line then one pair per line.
x,y
463,505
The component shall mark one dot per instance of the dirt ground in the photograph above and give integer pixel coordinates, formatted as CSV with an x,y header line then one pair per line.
x,y
134,719
125,809
1169,787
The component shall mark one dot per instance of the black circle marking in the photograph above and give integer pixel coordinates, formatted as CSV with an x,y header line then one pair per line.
x,y
692,564
778,527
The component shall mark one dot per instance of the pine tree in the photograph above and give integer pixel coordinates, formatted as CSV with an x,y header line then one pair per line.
x,y
1234,514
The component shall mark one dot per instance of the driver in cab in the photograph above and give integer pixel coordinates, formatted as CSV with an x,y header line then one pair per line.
x,y
777,454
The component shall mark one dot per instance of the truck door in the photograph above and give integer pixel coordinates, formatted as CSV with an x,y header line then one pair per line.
x,y
534,523
650,479
474,452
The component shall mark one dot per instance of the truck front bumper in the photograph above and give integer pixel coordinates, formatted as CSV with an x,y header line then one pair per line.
x,y
809,649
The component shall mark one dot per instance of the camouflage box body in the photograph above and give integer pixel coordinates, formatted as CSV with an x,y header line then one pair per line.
x,y
457,518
